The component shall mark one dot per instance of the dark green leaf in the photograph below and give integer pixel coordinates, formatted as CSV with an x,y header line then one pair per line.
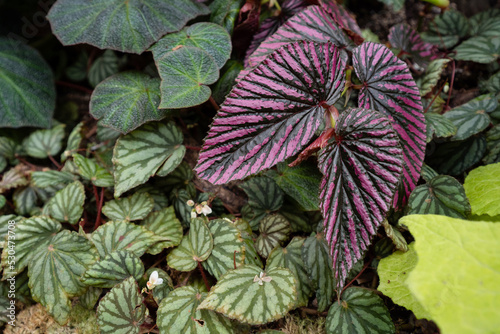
x,y
24,200
51,178
439,126
456,157
225,12
91,171
493,145
447,29
134,207
432,75
486,23
104,66
273,231
74,141
264,197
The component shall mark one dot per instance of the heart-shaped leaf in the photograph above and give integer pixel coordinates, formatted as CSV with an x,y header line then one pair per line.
x,y
252,296
447,29
388,87
74,141
443,195
56,269
209,37
67,204
290,257
186,73
123,26
362,166
273,231
439,126
127,100
273,113
113,269
479,49
178,313
154,148
317,260
91,171
229,249
42,143
195,247
166,228
115,236
134,207
28,92
403,37
50,178
456,157
122,310
359,311
482,189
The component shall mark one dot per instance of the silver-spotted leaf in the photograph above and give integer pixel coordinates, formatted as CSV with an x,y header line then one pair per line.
x,y
273,231
67,204
486,23
122,310
479,49
42,143
134,207
447,29
388,87
439,126
253,296
186,73
55,271
113,269
273,113
115,236
50,178
90,170
154,148
290,257
74,141
28,92
178,314
127,100
432,75
166,228
404,38
362,166
359,311
123,26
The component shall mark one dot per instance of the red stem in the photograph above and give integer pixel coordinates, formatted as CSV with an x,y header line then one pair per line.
x,y
99,202
214,104
194,148
435,96
355,278
58,165
74,86
204,276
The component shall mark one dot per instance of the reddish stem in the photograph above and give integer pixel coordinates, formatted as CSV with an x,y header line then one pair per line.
x,y
435,96
58,165
194,148
451,86
99,201
29,164
234,259
74,86
204,276
355,278
214,104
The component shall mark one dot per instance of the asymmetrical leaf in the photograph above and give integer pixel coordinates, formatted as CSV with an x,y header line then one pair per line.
x,y
134,207
390,89
273,230
160,291
50,178
42,143
447,29
439,126
166,228
122,310
67,204
91,171
360,311
154,148
225,13
343,18
24,200
28,92
482,187
115,236
8,148
186,73
290,257
316,257
123,26
432,75
486,23
443,195
13,178
54,273
479,49
74,141
178,314
428,173
127,100
362,167
113,269
273,113
252,296
403,37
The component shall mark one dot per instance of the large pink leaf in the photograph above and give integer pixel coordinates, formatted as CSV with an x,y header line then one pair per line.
x,y
362,166
273,112
403,37
342,16
389,88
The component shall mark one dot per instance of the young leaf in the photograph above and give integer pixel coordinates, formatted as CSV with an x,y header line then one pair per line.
x,y
447,29
209,37
122,310
178,313
432,75
24,200
359,311
388,87
56,269
67,204
443,195
154,148
482,187
127,27
438,126
28,92
74,141
160,291
8,148
186,73
403,37
127,100
244,140
42,143
166,228
479,49
134,207
362,167
113,269
91,171
290,257
252,296
428,173
273,230
115,236
51,178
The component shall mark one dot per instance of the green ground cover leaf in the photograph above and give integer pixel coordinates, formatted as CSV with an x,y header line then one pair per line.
x,y
134,207
493,145
482,187
67,204
447,29
225,13
438,126
160,291
486,23
166,228
74,140
42,143
50,178
273,230
432,75
480,49
90,170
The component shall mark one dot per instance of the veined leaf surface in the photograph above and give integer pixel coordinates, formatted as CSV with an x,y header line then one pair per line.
x,y
273,113
273,230
166,228
483,189
74,141
493,145
225,13
403,37
456,157
432,75
388,87
438,126
134,207
67,204
447,29
362,166
90,170
42,143
479,49
50,178
342,17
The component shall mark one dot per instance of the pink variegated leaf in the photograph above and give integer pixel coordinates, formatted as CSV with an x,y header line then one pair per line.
x,y
388,87
343,18
362,166
403,37
273,112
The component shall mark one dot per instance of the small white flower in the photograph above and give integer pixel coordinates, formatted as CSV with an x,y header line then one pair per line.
x,y
206,210
198,208
154,280
193,214
190,202
262,278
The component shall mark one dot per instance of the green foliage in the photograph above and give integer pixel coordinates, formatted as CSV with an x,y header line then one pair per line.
x,y
42,143
264,197
166,228
447,29
225,12
439,126
273,230
91,171
432,75
67,204
479,49
482,187
134,207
